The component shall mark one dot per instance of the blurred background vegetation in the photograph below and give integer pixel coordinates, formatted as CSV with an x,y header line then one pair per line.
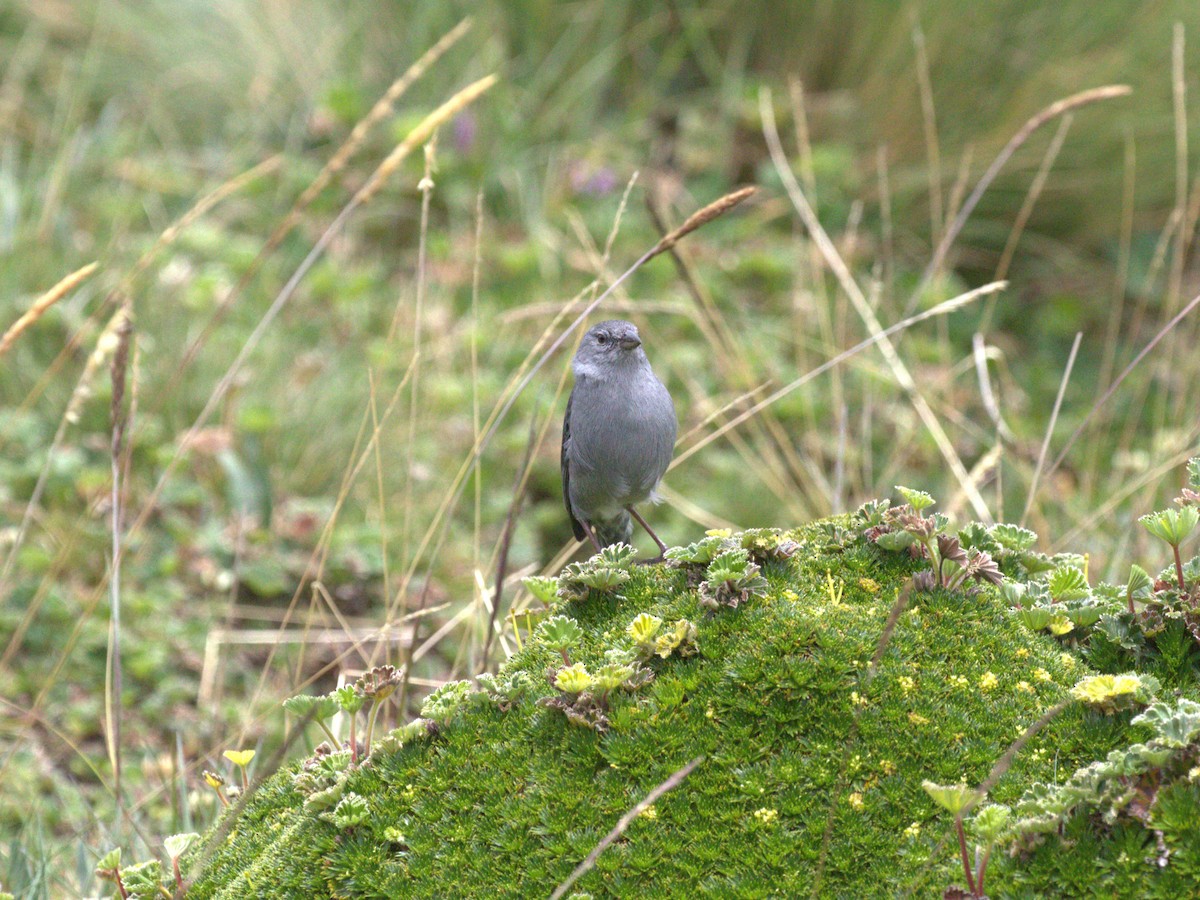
x,y
270,554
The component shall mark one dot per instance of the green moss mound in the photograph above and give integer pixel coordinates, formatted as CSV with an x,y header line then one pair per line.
x,y
811,775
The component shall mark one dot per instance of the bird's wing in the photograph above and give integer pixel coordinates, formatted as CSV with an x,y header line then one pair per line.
x,y
580,534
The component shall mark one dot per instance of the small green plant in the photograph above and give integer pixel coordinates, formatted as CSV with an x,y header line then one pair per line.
x,y
1151,783
603,573
444,701
650,639
351,701
701,553
731,579
543,587
1111,693
583,695
560,634
350,812
318,709
907,528
1173,526
505,691
957,799
108,868
377,685
145,880
176,845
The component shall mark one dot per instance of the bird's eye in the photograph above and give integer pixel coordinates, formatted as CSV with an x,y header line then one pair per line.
x,y
601,339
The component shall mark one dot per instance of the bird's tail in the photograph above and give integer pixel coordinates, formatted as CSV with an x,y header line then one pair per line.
x,y
617,530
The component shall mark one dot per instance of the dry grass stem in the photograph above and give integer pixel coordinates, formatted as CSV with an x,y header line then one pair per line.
x,y
1041,461
838,265
941,309
1058,108
382,108
422,133
44,302
671,783
929,121
1098,405
702,217
114,674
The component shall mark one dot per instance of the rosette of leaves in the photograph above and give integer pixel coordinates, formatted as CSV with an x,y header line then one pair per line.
x,y
701,553
560,634
768,545
583,696
321,778
574,698
144,881
644,631
543,587
406,734
651,639
444,701
350,811
834,535
679,638
1009,544
505,691
603,573
1111,693
872,514
731,579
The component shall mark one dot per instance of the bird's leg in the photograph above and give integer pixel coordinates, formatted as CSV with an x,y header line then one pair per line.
x,y
587,529
662,548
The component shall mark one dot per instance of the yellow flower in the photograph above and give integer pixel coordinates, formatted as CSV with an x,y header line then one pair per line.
x,y
239,757
1101,689
1025,687
1022,652
917,719
766,816
1041,674
1060,625
887,767
791,596
573,679
649,813
1067,660
913,830
988,681
870,585
959,681
719,532
856,801
856,699
907,684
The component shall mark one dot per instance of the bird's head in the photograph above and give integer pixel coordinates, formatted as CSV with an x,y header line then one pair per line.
x,y
610,344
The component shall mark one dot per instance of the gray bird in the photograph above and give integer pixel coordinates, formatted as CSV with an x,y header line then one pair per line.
x,y
618,436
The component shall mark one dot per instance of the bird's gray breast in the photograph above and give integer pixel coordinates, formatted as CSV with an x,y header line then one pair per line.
x,y
622,437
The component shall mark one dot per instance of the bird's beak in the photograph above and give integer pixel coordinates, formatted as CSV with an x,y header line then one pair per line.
x,y
629,343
